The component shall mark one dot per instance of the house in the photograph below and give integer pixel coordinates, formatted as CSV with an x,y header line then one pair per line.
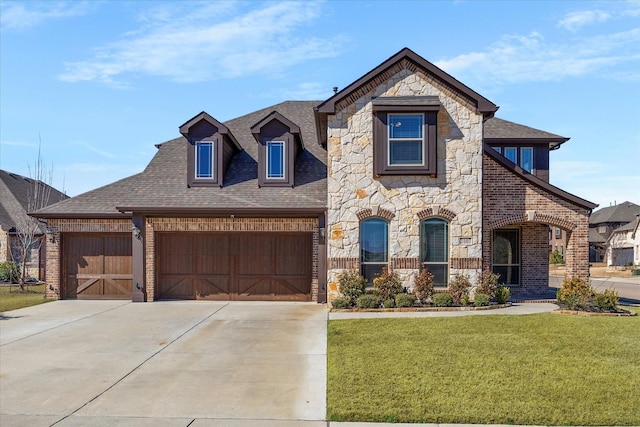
x,y
15,195
623,246
404,168
603,223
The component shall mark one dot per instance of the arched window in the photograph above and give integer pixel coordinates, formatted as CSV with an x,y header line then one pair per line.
x,y
374,247
434,249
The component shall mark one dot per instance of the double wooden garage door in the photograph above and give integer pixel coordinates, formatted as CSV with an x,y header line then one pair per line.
x,y
97,266
238,266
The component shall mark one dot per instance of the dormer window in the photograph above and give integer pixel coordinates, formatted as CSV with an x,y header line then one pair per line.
x,y
279,143
210,148
205,159
275,159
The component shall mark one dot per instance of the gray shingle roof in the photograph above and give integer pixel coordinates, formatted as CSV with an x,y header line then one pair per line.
x,y
495,128
163,184
623,212
14,197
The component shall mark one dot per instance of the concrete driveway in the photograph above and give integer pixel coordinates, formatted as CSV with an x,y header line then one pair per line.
x,y
191,363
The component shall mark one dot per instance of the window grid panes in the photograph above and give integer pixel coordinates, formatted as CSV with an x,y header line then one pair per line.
x,y
374,247
434,249
275,159
506,255
406,139
204,159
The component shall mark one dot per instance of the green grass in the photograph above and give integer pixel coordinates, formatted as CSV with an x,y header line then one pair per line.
x,y
545,369
11,298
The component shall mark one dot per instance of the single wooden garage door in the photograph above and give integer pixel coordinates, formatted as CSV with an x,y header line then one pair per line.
x,y
97,266
240,266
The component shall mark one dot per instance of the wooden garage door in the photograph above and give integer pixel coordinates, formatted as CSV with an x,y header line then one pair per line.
x,y
97,266
241,266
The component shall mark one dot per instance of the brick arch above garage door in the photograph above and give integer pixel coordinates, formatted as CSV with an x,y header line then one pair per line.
x,y
234,266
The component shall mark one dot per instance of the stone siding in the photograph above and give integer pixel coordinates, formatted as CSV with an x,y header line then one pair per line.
x,y
511,201
354,193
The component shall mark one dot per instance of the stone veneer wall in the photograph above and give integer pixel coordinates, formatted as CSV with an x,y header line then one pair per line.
x,y
352,188
154,225
510,201
59,226
4,244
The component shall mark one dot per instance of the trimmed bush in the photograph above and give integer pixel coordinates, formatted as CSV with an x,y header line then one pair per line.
x,y
502,294
480,300
606,301
465,300
342,302
405,300
487,283
443,300
459,287
9,272
352,285
423,285
575,293
388,303
387,285
368,301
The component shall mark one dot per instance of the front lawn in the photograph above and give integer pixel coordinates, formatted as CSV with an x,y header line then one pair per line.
x,y
546,369
11,298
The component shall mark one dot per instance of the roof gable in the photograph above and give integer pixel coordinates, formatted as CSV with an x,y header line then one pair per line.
x,y
203,125
499,130
405,58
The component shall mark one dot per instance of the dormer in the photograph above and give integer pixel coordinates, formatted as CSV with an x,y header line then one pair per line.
x,y
279,143
209,152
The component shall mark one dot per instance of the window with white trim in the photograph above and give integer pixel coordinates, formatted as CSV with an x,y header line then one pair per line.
x,y
204,163
275,160
405,140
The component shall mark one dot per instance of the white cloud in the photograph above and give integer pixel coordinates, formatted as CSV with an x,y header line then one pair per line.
x,y
574,20
517,58
18,144
24,15
199,46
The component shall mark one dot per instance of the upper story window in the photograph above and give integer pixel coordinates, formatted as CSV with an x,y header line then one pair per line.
x,y
522,156
275,159
406,139
511,153
205,159
405,135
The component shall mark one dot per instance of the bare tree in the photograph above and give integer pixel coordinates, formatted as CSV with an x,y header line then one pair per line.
x,y
30,231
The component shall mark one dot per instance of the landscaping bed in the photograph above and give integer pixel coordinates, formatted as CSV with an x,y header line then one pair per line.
x,y
12,298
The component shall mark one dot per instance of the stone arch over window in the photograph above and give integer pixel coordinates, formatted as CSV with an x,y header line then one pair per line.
x,y
375,212
533,216
436,211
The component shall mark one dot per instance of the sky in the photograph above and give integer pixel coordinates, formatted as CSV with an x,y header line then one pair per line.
x,y
95,85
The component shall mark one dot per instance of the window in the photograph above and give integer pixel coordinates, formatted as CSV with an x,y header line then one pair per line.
x,y
558,233
526,158
434,249
498,149
275,160
406,141
204,159
374,247
405,135
506,255
511,153
602,229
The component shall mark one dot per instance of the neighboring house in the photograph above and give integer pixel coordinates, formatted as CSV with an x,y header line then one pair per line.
x,y
404,168
603,223
15,191
623,246
557,240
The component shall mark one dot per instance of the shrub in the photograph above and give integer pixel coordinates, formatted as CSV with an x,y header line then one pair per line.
x,y
459,287
606,301
387,285
368,301
9,271
352,285
342,302
502,294
556,257
487,282
423,285
465,300
388,303
635,272
444,299
575,293
405,300
480,300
